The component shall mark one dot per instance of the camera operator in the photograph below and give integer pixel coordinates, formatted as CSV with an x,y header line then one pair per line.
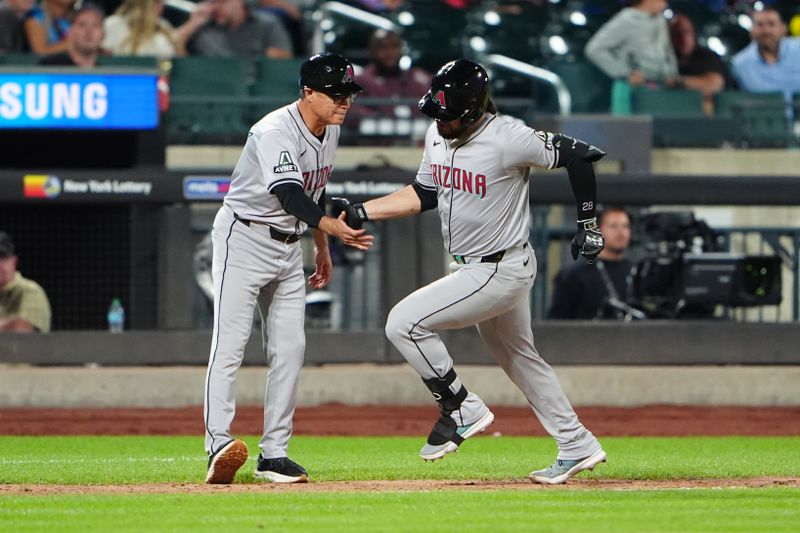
x,y
601,290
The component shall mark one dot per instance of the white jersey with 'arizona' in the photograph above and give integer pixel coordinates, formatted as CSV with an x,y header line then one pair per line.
x,y
482,183
280,149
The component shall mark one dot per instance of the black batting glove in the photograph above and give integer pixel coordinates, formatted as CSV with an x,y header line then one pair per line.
x,y
588,241
356,215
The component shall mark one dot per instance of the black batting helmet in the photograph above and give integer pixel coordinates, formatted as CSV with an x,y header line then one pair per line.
x,y
329,73
459,90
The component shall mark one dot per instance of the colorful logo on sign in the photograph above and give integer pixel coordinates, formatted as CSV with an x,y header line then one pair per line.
x,y
205,187
41,186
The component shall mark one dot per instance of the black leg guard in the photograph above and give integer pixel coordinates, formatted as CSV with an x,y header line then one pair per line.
x,y
445,428
440,388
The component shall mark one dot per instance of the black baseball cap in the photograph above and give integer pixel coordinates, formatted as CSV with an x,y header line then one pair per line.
x,y
329,73
6,245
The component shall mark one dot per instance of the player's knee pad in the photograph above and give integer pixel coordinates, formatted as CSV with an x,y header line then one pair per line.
x,y
444,396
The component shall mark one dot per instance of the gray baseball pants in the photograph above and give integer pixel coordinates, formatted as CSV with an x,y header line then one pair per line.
x,y
496,298
251,268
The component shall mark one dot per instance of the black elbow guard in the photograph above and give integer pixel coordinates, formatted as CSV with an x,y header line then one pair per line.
x,y
427,198
570,149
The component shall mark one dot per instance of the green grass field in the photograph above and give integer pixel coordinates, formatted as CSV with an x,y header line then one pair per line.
x,y
139,460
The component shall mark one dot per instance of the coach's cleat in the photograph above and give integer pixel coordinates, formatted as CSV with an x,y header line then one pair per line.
x,y
223,465
560,471
280,470
446,436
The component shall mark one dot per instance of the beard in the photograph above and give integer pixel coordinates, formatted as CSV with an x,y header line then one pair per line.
x,y
448,132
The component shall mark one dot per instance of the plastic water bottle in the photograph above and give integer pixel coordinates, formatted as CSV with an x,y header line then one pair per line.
x,y
116,316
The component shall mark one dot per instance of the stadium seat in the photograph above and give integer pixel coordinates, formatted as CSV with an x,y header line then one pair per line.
x,y
17,58
128,61
277,77
208,76
668,103
796,106
276,84
762,115
589,87
204,105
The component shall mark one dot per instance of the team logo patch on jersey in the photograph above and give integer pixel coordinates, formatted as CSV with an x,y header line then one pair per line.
x,y
546,138
348,75
439,98
285,164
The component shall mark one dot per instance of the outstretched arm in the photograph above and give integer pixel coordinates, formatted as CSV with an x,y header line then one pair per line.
x,y
402,203
408,201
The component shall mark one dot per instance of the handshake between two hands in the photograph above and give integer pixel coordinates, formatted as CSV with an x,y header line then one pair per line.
x,y
347,224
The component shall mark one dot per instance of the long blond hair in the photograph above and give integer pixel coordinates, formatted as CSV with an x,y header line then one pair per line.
x,y
143,22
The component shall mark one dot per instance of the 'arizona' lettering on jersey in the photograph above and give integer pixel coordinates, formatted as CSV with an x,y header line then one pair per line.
x,y
463,180
483,212
317,179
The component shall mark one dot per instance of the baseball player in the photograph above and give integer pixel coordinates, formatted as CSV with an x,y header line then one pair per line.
x,y
277,190
475,169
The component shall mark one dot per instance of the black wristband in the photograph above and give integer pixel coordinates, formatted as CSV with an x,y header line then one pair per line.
x,y
360,211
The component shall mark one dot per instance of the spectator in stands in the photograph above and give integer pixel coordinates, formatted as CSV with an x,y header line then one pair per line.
x,y
602,290
384,77
138,29
46,26
83,42
290,13
634,45
700,69
24,307
771,63
236,31
12,13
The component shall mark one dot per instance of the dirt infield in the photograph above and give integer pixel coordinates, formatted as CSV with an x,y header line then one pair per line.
x,y
399,486
336,419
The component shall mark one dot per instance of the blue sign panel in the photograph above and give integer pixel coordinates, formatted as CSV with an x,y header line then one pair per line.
x,y
86,101
206,187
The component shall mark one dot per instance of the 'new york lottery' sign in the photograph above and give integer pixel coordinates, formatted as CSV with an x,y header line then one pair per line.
x,y
86,101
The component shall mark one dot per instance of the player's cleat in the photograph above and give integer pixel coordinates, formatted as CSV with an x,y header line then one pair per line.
x,y
223,465
560,471
446,436
280,470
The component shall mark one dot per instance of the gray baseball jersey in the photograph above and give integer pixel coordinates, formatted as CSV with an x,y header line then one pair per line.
x,y
280,149
481,184
252,267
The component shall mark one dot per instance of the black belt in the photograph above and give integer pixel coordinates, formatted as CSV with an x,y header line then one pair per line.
x,y
287,238
491,258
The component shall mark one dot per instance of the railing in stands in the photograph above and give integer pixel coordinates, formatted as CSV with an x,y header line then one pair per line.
x,y
535,73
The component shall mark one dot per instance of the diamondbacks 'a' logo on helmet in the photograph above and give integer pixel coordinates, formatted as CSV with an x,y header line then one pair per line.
x,y
439,98
349,75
